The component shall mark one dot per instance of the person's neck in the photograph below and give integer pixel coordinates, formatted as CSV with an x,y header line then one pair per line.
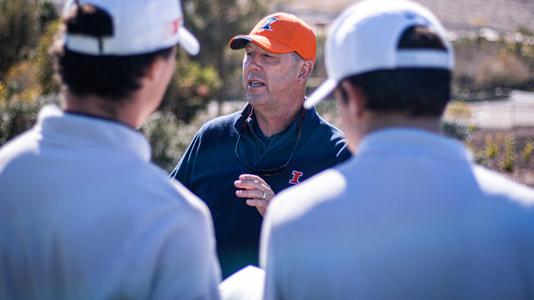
x,y
99,107
275,120
377,121
388,121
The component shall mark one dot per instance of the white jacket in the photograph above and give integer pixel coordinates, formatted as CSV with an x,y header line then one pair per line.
x,y
85,215
408,217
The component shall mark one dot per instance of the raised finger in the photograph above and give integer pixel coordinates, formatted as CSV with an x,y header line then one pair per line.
x,y
254,177
258,194
251,185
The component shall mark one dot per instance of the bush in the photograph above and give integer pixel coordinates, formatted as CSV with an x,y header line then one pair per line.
x,y
191,89
47,14
507,163
18,113
458,110
22,81
487,70
504,70
169,137
19,29
44,61
455,131
491,148
16,117
527,150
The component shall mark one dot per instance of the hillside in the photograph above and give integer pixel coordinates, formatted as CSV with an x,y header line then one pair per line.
x,y
457,15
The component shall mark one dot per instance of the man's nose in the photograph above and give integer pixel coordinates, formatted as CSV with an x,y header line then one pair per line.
x,y
253,62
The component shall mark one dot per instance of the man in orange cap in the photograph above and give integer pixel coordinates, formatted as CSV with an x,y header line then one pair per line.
x,y
237,163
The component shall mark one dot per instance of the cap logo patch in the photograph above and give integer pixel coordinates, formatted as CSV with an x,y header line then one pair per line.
x,y
268,22
175,26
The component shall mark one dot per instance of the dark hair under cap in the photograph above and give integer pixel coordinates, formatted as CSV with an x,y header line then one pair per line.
x,y
110,77
418,92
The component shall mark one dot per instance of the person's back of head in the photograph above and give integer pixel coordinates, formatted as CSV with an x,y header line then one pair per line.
x,y
108,48
390,64
416,92
396,53
109,76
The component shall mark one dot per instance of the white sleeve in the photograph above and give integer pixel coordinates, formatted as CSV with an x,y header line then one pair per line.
x,y
188,267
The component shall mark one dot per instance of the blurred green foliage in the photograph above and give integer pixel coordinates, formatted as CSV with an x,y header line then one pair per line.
x,y
47,14
44,61
191,88
19,31
487,70
528,149
455,131
491,150
16,117
502,151
508,160
169,137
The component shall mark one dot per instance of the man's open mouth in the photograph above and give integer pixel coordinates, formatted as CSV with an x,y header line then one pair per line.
x,y
255,83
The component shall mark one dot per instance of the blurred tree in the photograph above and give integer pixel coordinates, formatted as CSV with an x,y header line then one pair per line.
x,y
47,14
168,137
44,60
22,81
16,117
191,88
19,29
503,70
214,22
526,52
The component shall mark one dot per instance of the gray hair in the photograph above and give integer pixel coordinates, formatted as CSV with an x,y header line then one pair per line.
x,y
296,57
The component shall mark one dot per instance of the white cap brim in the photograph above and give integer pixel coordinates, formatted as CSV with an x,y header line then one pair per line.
x,y
188,41
320,93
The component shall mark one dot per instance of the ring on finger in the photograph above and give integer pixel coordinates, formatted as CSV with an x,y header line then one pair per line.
x,y
264,195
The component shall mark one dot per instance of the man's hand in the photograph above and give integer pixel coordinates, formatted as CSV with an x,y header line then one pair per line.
x,y
257,192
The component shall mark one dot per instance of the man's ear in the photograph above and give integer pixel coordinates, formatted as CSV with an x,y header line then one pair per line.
x,y
355,99
305,70
156,69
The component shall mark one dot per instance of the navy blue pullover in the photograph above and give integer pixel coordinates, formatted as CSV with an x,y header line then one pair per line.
x,y
231,145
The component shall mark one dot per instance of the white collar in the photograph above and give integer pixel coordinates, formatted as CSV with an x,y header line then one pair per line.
x,y
92,132
412,142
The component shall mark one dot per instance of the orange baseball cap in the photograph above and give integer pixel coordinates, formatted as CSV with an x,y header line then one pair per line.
x,y
280,33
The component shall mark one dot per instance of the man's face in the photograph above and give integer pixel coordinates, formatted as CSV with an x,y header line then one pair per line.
x,y
267,76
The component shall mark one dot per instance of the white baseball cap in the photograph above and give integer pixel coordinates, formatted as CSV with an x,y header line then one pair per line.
x,y
365,38
139,27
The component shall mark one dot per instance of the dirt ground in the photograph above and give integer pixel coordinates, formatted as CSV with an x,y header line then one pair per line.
x,y
509,152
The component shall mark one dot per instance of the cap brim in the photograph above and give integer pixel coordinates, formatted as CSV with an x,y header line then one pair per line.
x,y
188,41
241,41
325,89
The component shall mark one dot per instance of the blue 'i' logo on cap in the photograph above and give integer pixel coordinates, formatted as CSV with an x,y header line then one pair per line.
x,y
268,22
